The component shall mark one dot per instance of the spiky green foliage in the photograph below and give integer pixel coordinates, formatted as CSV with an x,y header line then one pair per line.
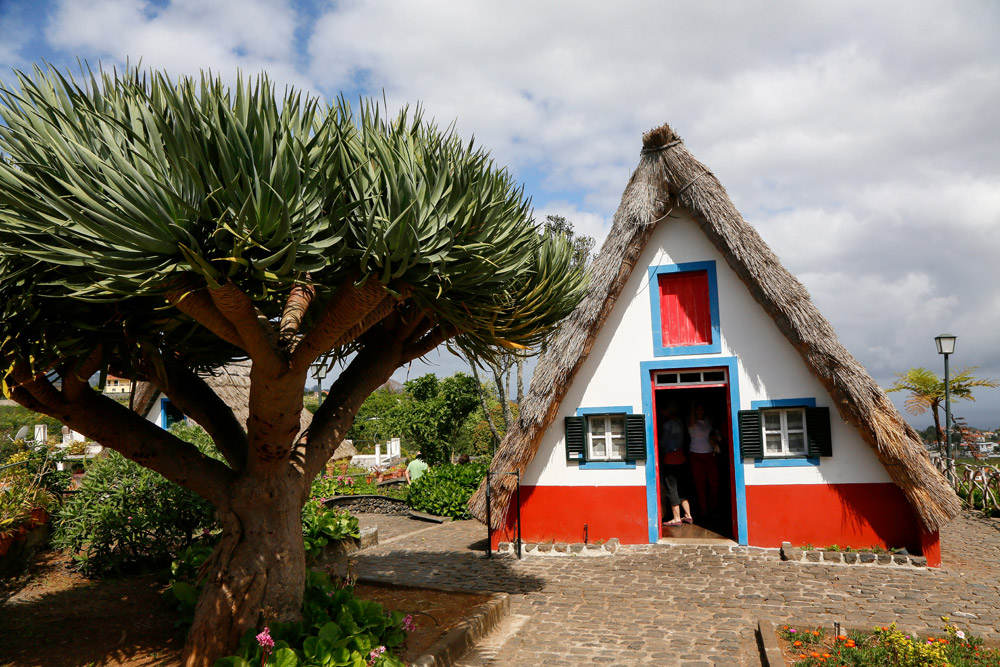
x,y
114,190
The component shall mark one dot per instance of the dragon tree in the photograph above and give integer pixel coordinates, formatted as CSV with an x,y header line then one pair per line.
x,y
158,229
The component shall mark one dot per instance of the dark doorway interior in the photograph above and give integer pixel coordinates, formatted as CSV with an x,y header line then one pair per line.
x,y
716,403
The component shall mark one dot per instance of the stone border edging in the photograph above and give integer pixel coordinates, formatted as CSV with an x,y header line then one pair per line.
x,y
560,548
477,624
767,643
796,555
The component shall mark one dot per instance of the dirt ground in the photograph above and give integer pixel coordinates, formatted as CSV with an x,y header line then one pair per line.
x,y
55,617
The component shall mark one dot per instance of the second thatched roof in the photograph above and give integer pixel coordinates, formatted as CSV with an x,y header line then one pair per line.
x,y
669,177
231,383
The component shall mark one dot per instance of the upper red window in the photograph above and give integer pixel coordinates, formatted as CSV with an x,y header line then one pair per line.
x,y
685,309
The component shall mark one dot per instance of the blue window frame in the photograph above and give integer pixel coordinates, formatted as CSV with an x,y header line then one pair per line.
x,y
659,350
606,465
792,461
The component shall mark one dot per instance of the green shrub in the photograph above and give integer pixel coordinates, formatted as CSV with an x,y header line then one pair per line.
x,y
13,417
445,490
321,525
337,628
127,518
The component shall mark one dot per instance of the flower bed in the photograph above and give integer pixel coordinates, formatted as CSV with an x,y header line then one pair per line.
x,y
884,646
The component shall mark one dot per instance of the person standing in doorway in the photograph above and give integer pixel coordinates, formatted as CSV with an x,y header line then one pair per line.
x,y
673,468
704,467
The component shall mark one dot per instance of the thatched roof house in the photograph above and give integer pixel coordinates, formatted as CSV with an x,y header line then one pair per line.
x,y
232,384
669,198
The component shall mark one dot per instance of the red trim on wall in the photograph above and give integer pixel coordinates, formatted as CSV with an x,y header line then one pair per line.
x,y
558,513
685,315
848,515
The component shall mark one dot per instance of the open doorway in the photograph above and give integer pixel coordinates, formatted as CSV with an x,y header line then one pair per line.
x,y
708,484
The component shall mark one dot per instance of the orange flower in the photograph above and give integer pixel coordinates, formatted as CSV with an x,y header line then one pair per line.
x,y
842,637
826,655
943,641
816,633
814,654
784,627
797,643
802,656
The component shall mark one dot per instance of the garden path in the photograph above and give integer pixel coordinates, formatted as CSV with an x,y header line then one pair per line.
x,y
695,606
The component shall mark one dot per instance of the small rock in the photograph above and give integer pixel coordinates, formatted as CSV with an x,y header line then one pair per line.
x,y
850,558
561,547
866,557
576,547
884,559
814,556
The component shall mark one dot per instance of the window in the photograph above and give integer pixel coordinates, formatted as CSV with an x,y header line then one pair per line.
x,y
778,430
698,377
606,438
785,432
169,414
596,434
685,308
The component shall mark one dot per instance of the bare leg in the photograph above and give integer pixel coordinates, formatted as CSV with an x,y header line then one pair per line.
x,y
687,509
676,509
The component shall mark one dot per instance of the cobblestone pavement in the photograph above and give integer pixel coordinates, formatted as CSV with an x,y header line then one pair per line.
x,y
695,606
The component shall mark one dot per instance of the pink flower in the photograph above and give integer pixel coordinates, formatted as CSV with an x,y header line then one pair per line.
x,y
374,655
340,478
264,639
350,481
960,634
408,623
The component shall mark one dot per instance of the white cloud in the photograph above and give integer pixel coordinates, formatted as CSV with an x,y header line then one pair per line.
x,y
859,138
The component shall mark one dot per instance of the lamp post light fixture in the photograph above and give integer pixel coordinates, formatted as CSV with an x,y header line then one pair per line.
x,y
946,345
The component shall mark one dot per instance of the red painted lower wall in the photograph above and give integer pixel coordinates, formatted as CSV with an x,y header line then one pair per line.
x,y
854,515
558,513
849,515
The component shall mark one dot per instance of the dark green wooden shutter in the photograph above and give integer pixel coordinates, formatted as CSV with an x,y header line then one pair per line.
x,y
751,438
635,437
818,430
576,439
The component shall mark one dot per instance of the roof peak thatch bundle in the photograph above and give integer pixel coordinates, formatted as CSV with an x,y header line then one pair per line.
x,y
668,176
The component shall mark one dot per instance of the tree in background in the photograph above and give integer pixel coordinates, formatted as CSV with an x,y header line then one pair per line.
x,y
926,391
160,229
430,415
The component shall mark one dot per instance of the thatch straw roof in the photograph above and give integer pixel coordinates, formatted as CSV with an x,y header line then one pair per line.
x,y
669,177
232,384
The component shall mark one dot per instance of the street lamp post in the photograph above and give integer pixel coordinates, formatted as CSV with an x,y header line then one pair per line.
x,y
946,345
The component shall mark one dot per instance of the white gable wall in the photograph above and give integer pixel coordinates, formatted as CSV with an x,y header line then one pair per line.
x,y
769,368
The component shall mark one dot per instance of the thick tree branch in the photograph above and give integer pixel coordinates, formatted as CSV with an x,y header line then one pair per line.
x,y
377,314
198,305
347,307
241,312
195,398
78,377
298,302
113,425
428,341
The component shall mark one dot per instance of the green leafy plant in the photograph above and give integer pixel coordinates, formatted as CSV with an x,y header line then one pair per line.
x,y
22,490
445,490
321,525
126,518
337,629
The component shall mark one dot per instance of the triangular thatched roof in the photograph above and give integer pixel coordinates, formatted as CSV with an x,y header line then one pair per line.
x,y
669,177
232,384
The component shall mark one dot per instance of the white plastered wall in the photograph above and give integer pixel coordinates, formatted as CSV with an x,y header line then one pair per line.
x,y
769,368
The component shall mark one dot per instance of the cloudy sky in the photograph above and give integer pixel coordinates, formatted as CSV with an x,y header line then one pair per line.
x,y
861,139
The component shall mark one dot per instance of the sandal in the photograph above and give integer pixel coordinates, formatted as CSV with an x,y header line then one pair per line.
x,y
679,522
687,519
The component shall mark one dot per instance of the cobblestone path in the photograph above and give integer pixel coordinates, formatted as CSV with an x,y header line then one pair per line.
x,y
692,605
